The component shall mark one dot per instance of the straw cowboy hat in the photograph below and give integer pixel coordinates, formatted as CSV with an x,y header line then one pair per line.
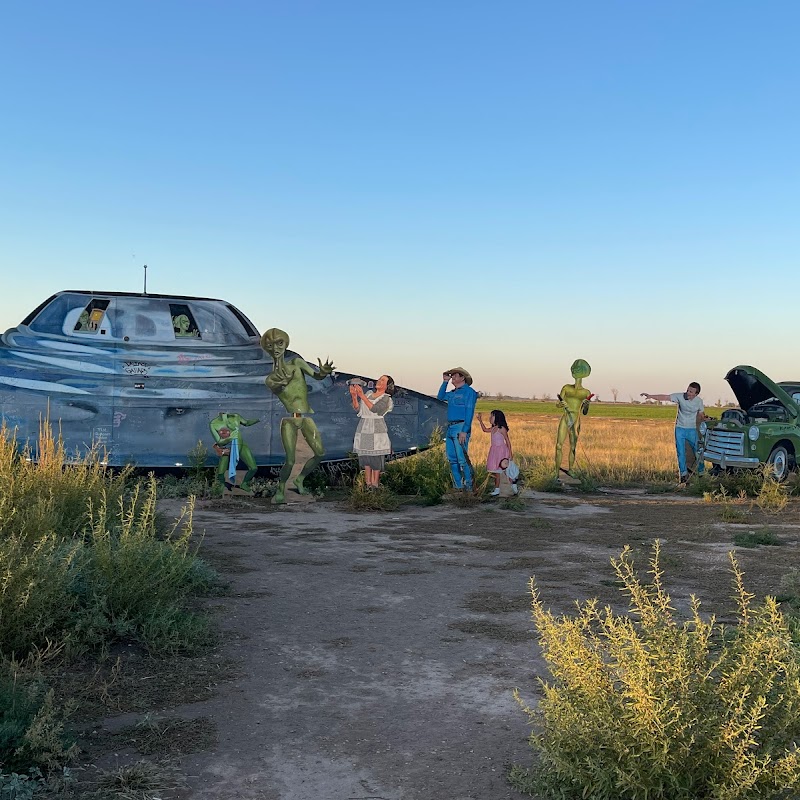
x,y
467,376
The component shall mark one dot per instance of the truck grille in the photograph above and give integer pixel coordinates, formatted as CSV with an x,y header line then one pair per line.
x,y
727,443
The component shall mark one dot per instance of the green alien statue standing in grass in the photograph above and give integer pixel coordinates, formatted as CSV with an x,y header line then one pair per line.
x,y
288,382
574,399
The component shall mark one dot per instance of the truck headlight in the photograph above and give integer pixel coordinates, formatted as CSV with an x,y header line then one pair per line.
x,y
703,428
753,433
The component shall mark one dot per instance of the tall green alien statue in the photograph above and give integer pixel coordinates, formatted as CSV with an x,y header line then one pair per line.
x,y
574,399
288,382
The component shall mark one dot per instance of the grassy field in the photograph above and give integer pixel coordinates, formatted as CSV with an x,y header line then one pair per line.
x,y
605,410
612,452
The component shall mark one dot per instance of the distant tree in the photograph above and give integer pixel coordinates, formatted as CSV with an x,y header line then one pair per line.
x,y
500,395
546,397
614,394
718,404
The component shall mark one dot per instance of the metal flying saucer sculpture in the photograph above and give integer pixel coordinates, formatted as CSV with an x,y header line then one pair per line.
x,y
145,377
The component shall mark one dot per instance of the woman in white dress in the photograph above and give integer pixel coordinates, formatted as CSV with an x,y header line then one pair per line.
x,y
371,443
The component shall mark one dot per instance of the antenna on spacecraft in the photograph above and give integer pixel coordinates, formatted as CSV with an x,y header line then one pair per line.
x,y
145,279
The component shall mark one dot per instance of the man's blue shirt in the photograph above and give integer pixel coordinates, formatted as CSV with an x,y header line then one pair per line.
x,y
460,405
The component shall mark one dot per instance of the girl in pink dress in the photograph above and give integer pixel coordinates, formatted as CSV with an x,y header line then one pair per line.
x,y
500,446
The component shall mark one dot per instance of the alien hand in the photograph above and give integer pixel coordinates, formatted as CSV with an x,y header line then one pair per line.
x,y
326,368
276,383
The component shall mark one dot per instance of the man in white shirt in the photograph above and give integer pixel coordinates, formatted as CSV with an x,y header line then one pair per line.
x,y
691,412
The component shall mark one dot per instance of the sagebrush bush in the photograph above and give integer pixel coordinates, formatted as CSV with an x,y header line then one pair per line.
x,y
171,487
31,726
773,495
37,597
425,474
647,706
365,498
138,576
82,560
759,484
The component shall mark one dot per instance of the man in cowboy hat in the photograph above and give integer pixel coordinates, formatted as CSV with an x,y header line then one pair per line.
x,y
460,401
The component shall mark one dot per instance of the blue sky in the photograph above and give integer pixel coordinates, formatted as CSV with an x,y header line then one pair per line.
x,y
406,187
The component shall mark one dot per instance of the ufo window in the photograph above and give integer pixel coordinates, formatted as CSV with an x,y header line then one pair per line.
x,y
91,318
183,323
246,324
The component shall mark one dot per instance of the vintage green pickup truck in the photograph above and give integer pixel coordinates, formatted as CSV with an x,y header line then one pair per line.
x,y
765,429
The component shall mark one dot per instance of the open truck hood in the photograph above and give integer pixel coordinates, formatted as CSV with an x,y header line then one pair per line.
x,y
752,386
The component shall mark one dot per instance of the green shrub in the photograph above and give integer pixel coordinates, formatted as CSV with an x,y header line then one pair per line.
x,y
31,727
737,483
316,482
426,475
772,495
646,706
363,498
198,458
755,538
515,503
139,577
171,487
17,786
790,590
36,591
759,484
82,561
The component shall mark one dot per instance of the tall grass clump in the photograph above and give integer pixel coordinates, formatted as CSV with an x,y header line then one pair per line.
x,y
48,495
648,706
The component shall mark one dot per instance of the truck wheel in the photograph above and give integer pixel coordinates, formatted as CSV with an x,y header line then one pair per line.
x,y
781,462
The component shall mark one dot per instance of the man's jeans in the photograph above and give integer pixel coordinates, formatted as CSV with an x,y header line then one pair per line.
x,y
683,435
457,456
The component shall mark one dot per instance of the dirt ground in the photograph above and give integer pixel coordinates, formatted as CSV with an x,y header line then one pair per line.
x,y
374,654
